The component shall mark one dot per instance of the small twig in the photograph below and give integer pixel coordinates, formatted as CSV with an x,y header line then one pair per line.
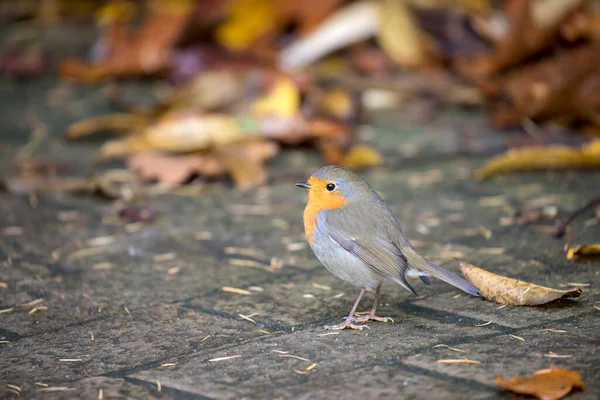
x,y
562,228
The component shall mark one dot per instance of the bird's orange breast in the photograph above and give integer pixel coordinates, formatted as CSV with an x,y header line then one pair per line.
x,y
319,199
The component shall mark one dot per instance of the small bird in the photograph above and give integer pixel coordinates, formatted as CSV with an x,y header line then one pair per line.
x,y
356,236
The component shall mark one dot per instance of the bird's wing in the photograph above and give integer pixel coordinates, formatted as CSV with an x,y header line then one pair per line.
x,y
373,249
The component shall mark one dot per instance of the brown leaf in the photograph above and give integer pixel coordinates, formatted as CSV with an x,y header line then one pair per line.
x,y
565,85
547,384
530,29
243,160
143,52
505,290
173,170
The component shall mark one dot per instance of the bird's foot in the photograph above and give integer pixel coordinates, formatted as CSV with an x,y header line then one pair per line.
x,y
348,323
372,317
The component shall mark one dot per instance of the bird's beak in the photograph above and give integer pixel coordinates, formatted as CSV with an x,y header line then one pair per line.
x,y
304,185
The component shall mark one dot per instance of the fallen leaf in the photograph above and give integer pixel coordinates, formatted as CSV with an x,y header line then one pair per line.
x,y
583,24
216,88
505,290
283,100
244,161
523,29
248,22
353,23
401,37
590,250
126,53
362,156
547,384
336,102
563,86
184,131
541,157
110,122
173,170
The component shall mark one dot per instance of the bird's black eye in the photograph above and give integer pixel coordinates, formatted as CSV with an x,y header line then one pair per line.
x,y
330,187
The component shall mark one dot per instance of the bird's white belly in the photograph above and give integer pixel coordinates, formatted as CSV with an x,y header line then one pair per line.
x,y
344,264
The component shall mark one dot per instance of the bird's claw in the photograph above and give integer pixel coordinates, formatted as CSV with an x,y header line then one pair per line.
x,y
369,317
348,324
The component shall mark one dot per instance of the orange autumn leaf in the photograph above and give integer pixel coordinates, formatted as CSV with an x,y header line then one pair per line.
x,y
547,384
542,157
510,291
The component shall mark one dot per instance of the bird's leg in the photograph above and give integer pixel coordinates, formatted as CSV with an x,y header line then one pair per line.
x,y
348,323
371,315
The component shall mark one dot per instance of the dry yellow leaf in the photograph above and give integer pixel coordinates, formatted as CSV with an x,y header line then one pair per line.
x,y
400,35
474,6
116,10
590,250
118,122
337,102
510,291
283,100
547,384
592,148
362,156
247,21
539,157
182,132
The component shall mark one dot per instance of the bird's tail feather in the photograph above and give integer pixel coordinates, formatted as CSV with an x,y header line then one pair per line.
x,y
417,261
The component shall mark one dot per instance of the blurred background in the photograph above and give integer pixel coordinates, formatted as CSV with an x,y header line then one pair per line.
x,y
150,230
176,93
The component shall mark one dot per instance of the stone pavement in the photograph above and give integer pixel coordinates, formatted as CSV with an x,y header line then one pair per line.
x,y
144,313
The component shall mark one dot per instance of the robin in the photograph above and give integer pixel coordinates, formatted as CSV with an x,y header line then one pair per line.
x,y
357,237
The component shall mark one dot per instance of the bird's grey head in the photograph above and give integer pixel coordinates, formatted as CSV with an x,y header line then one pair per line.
x,y
334,178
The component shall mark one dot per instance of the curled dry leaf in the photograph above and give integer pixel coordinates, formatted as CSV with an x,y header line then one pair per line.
x,y
509,291
353,23
540,157
590,250
547,384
